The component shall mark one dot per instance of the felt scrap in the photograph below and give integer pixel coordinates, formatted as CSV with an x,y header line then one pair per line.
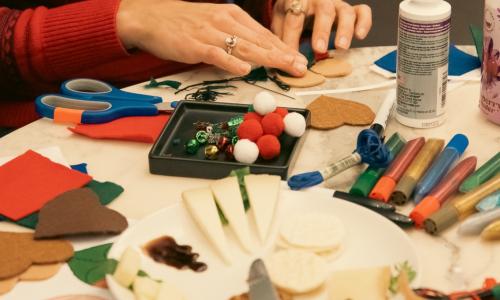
x,y
332,67
8,284
78,212
138,129
82,168
31,180
34,273
19,251
309,80
328,113
459,62
91,265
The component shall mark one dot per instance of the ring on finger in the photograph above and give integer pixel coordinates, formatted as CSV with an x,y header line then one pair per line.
x,y
296,8
231,42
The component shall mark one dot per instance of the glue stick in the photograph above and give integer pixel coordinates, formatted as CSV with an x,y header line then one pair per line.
x,y
422,64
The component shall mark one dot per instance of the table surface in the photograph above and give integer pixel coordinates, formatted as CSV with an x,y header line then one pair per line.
x,y
448,262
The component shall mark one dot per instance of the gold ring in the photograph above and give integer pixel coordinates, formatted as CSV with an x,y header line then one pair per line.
x,y
231,42
296,8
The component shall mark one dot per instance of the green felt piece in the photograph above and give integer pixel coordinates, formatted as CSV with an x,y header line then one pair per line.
x,y
91,265
477,36
107,192
153,83
259,74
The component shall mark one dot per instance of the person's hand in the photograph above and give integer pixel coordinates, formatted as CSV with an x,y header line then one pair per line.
x,y
196,33
351,21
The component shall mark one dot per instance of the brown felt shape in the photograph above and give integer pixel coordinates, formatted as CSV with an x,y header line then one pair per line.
x,y
332,67
34,273
18,251
78,212
309,80
329,113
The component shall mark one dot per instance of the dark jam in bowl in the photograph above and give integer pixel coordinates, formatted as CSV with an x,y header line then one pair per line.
x,y
166,250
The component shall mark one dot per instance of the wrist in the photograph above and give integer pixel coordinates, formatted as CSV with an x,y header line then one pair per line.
x,y
127,27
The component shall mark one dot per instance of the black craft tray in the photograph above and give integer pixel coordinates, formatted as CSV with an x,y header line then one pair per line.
x,y
169,158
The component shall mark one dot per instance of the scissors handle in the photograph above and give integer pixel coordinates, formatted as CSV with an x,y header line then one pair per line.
x,y
64,109
85,88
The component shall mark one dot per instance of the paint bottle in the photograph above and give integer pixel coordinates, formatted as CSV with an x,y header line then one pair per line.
x,y
422,63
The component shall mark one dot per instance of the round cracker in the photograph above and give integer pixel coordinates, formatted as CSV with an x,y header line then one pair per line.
x,y
313,230
332,67
309,80
296,271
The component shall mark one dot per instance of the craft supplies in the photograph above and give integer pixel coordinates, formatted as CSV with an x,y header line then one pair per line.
x,y
332,67
423,43
477,222
295,124
365,202
451,153
460,207
385,186
489,102
264,103
490,202
492,232
441,192
310,79
367,180
329,113
415,171
485,172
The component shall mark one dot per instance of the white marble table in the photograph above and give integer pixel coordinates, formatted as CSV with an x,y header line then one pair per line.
x,y
449,262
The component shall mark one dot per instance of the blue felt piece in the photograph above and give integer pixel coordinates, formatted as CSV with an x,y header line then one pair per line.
x,y
82,168
459,63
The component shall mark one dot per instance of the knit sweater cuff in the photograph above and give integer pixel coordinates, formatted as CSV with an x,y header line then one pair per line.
x,y
77,36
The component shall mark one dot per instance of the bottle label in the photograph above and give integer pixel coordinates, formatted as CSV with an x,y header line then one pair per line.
x,y
422,68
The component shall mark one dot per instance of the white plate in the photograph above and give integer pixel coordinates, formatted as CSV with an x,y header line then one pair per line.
x,y
371,240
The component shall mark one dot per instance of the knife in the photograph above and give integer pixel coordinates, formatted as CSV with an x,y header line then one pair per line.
x,y
261,287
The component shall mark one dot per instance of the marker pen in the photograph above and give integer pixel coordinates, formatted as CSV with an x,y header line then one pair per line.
x,y
367,180
485,172
492,231
460,207
416,170
451,153
476,223
441,192
384,187
490,202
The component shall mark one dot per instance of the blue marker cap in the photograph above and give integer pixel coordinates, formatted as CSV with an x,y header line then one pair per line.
x,y
459,142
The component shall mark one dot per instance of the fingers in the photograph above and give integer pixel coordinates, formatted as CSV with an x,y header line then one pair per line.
x,y
363,21
292,29
218,57
323,22
345,28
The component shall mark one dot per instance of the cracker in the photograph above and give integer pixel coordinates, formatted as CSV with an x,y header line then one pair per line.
x,y
309,80
328,113
78,212
332,67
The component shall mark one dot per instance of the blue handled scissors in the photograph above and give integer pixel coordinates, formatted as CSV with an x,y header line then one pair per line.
x,y
91,101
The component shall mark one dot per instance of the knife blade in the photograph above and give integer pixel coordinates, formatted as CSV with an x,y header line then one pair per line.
x,y
261,287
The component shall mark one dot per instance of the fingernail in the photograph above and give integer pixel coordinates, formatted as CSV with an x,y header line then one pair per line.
x,y
245,68
300,67
288,58
361,32
301,59
320,46
343,42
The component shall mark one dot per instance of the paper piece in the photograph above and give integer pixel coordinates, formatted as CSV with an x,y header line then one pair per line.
x,y
82,168
37,180
309,80
368,87
91,265
78,212
332,67
53,153
328,113
19,251
137,129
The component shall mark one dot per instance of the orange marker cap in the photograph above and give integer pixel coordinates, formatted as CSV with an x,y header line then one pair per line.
x,y
383,189
424,209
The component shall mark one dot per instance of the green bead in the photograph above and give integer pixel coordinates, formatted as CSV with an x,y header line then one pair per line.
x,y
234,140
192,146
202,136
235,121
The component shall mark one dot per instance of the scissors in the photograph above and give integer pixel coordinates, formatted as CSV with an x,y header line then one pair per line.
x,y
91,101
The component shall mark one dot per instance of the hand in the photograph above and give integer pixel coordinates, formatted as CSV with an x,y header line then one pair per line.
x,y
196,33
351,21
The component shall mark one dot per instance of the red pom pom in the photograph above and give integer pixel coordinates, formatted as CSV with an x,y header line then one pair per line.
x,y
252,115
269,146
250,129
272,123
281,111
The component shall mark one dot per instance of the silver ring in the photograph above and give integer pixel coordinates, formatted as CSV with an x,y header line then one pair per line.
x,y
231,42
296,8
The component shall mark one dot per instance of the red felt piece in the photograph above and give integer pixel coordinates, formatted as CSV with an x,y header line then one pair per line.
x,y
320,56
250,129
30,180
281,111
252,115
272,123
137,129
269,146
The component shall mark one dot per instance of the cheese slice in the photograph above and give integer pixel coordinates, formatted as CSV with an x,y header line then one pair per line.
x,y
201,204
263,193
228,196
346,284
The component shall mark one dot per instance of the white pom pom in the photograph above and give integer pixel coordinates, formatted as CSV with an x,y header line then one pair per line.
x,y
264,103
295,124
245,151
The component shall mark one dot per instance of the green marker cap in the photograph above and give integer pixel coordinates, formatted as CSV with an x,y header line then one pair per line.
x,y
485,172
367,180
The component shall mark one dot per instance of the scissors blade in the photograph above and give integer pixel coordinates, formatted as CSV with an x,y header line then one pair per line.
x,y
261,287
